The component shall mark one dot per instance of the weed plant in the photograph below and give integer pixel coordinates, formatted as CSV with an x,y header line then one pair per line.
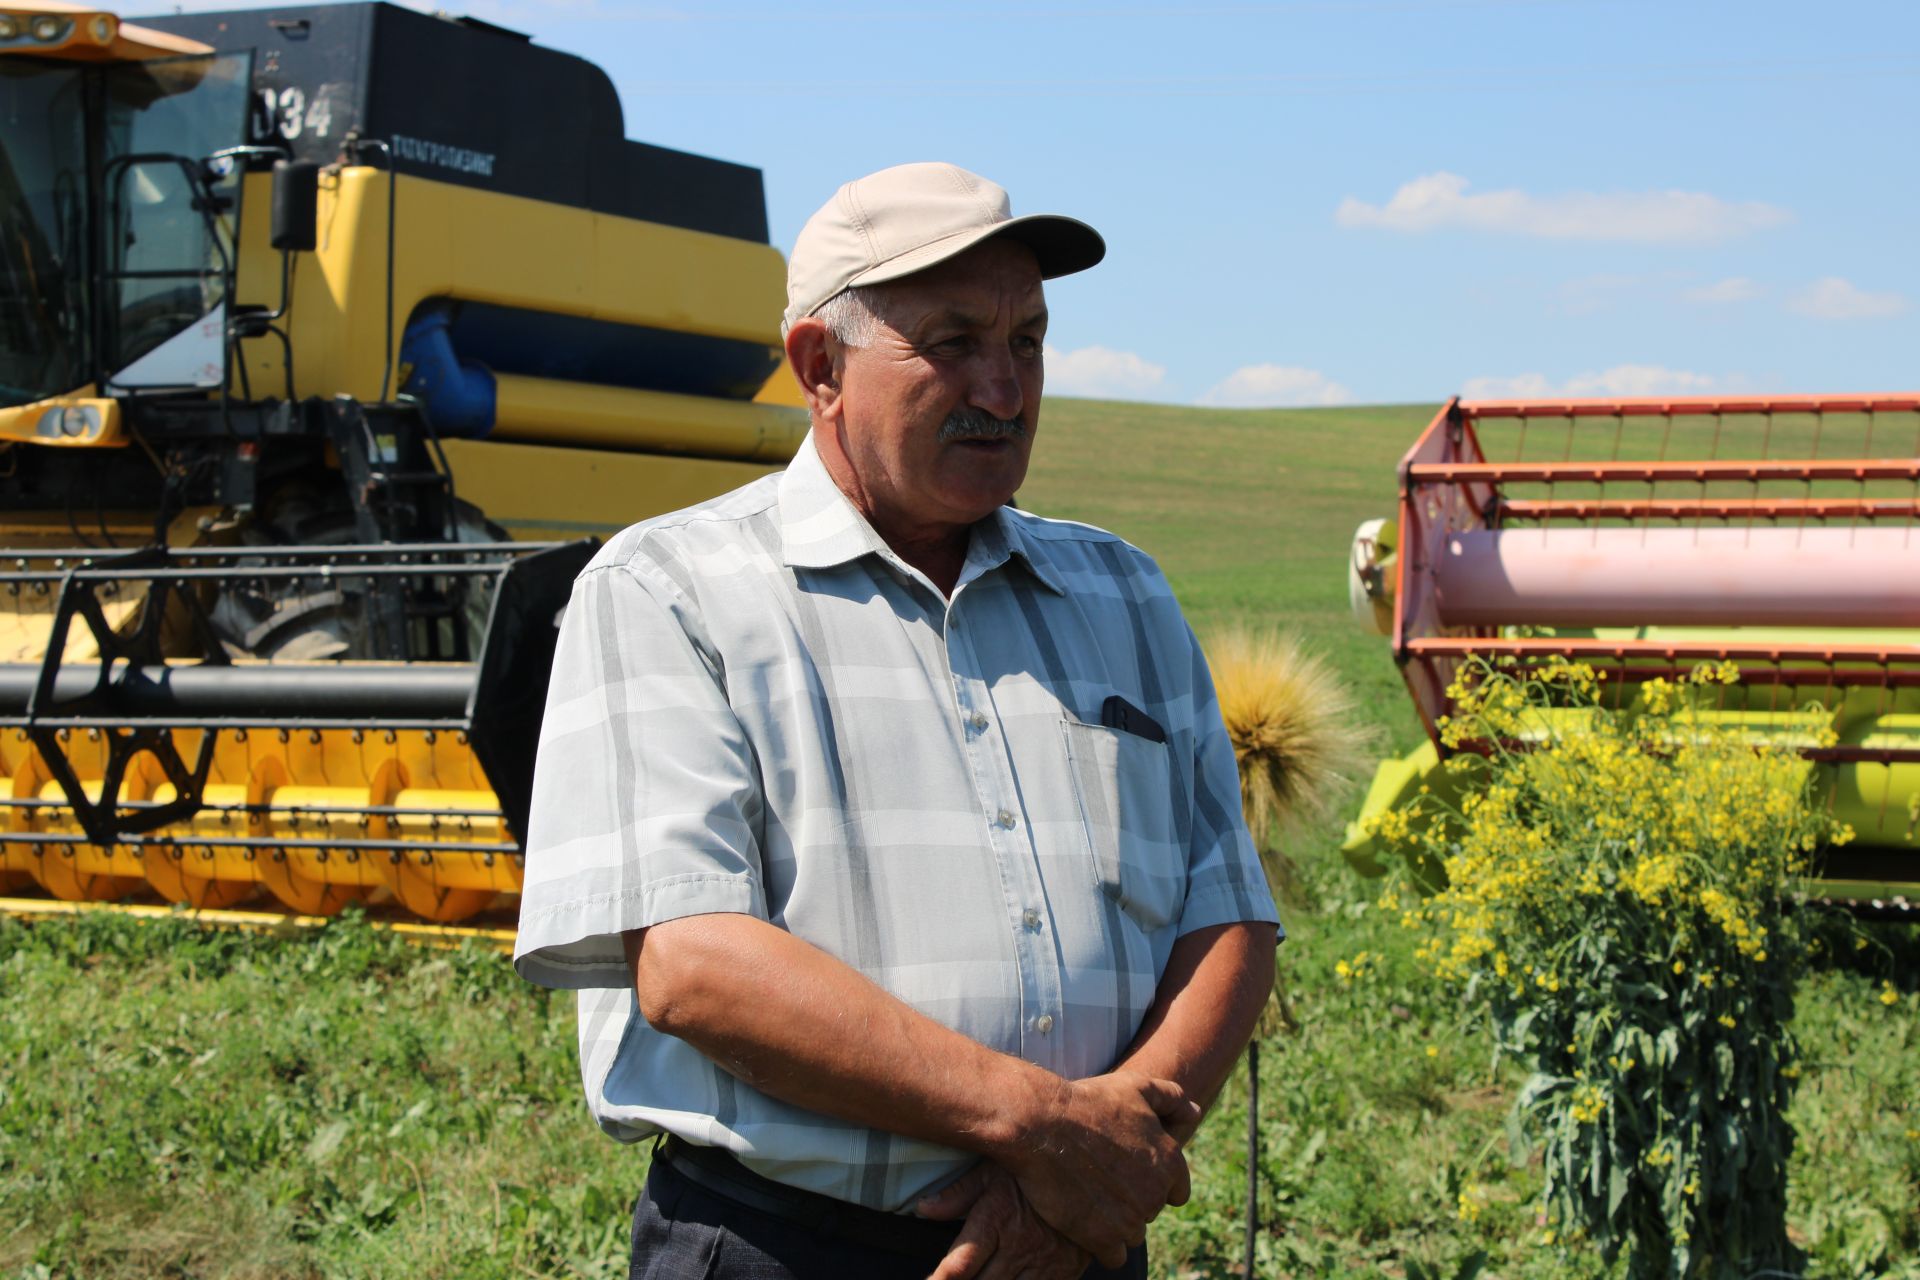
x,y
1611,895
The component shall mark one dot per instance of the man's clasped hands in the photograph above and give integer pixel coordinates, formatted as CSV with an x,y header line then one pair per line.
x,y
1096,1162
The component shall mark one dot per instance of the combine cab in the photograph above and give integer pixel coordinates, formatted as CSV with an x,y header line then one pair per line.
x,y
323,362
1647,536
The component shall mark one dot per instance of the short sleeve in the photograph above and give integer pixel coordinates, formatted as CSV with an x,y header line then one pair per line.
x,y
646,800
1225,883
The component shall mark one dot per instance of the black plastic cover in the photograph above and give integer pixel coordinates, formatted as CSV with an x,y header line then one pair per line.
x,y
510,696
296,205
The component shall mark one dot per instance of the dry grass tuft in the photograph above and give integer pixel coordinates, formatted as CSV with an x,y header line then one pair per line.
x,y
1297,736
1301,746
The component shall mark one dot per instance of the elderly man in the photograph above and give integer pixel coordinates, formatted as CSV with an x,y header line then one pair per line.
x,y
891,834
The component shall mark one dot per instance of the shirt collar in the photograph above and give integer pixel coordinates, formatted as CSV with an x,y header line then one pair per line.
x,y
819,528
1012,532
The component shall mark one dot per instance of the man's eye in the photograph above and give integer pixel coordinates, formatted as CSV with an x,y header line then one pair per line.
x,y
954,346
1026,346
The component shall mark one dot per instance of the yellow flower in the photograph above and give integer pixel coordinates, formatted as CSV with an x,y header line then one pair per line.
x,y
1889,996
1588,1103
1727,1021
1433,1051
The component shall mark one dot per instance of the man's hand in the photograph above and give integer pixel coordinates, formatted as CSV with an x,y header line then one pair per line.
x,y
1002,1238
1102,1159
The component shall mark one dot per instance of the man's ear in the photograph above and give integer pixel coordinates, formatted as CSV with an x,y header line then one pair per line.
x,y
812,355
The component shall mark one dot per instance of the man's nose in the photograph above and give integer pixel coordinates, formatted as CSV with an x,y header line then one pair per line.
x,y
996,385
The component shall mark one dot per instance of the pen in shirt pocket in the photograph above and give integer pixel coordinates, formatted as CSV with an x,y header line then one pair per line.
x,y
1118,713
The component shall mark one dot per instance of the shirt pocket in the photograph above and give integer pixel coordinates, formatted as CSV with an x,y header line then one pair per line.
x,y
1123,783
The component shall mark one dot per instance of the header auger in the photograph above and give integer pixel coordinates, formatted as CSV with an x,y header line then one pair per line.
x,y
302,322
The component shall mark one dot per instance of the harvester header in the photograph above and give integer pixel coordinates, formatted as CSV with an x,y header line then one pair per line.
x,y
1643,537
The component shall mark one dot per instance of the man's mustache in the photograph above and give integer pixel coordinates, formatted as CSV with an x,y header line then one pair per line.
x,y
977,424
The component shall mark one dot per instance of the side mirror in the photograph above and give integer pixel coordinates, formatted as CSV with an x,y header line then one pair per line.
x,y
296,205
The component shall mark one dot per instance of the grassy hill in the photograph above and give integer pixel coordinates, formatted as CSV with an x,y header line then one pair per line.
x,y
1248,511
184,1104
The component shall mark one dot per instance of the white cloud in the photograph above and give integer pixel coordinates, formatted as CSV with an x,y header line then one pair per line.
x,y
1274,386
1832,298
1521,386
1732,289
1620,380
1440,200
1102,372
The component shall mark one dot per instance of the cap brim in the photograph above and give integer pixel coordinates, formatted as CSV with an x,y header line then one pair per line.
x,y
1062,245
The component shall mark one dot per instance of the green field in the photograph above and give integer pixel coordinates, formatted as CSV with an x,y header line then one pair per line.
x,y
181,1103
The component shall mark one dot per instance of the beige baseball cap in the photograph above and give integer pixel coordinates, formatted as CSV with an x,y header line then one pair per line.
x,y
905,219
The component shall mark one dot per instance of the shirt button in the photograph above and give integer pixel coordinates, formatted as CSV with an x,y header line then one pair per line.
x,y
979,721
1030,918
1005,819
1043,1023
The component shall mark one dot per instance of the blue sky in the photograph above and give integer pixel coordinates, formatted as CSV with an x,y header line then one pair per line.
x,y
1359,202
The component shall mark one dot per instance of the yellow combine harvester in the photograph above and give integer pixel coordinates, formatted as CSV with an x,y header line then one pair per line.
x,y
330,338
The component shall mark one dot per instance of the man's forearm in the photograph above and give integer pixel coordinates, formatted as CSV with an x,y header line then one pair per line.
x,y
798,1024
1204,1011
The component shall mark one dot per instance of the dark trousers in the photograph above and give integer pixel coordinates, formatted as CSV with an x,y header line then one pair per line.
x,y
686,1232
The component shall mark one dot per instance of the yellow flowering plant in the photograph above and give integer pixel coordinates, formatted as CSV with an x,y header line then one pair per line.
x,y
1609,888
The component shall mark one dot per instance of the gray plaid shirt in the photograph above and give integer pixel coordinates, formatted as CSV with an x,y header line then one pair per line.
x,y
758,707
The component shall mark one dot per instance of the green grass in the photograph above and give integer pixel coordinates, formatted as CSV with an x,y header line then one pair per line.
x,y
181,1103
176,1102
